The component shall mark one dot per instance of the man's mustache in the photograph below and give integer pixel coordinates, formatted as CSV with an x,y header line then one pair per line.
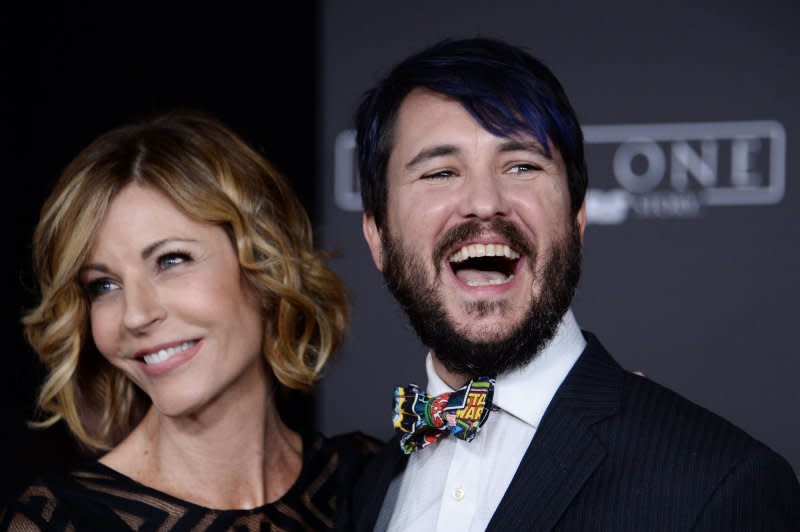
x,y
473,229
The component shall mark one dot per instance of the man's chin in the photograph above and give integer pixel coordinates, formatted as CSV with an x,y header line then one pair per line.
x,y
487,333
485,322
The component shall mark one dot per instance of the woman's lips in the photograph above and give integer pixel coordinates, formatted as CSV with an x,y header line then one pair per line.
x,y
166,359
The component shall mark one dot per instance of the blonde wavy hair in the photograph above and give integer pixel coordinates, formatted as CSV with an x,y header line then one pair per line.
x,y
213,175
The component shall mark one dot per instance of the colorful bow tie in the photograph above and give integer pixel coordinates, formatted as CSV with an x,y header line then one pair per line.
x,y
423,419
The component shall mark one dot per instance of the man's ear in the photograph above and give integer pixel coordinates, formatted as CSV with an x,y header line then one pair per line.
x,y
580,219
373,237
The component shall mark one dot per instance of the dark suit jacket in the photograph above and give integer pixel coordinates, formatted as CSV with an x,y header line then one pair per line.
x,y
616,451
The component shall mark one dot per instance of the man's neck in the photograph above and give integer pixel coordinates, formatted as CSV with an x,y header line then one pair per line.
x,y
453,380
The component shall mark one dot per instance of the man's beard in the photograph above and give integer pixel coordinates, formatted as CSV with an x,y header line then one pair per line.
x,y
405,276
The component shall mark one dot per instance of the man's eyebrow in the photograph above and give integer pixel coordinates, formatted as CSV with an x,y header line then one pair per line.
x,y
520,145
430,153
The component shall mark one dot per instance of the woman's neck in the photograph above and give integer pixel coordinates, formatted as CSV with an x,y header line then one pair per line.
x,y
235,456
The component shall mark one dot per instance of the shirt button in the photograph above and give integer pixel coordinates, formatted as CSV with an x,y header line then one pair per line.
x,y
458,494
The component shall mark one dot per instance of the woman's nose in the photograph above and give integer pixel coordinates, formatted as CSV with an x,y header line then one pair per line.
x,y
142,306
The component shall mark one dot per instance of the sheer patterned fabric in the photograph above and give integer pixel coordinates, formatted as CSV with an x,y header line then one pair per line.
x,y
95,497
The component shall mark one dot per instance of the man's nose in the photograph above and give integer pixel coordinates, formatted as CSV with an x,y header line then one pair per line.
x,y
143,307
484,197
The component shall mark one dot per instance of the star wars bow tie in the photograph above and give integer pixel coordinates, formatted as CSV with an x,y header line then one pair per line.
x,y
424,419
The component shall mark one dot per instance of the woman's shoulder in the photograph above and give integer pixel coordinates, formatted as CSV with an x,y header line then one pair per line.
x,y
47,502
26,508
89,496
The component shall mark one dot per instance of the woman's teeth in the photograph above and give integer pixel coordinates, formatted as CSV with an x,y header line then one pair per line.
x,y
164,354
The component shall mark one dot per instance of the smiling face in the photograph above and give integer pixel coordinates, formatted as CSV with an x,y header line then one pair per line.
x,y
480,246
168,306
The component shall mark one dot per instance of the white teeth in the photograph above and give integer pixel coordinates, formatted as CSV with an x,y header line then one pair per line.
x,y
488,282
483,250
164,354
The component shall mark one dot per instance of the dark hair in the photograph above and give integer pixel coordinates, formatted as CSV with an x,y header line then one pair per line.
x,y
502,86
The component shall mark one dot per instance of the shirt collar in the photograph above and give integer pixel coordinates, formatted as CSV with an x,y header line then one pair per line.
x,y
525,392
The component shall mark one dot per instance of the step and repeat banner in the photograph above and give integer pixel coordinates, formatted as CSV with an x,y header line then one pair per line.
x,y
691,255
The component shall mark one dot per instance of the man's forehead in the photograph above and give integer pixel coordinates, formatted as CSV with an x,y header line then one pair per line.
x,y
515,134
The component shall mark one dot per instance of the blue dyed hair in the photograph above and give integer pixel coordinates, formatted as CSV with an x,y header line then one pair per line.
x,y
503,87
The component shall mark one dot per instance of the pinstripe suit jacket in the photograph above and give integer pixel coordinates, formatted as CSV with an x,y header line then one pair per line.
x,y
618,452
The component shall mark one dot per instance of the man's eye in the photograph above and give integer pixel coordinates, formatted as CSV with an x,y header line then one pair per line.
x,y
98,287
170,260
439,174
523,168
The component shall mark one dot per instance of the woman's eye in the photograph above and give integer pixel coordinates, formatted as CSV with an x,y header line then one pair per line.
x,y
98,287
170,260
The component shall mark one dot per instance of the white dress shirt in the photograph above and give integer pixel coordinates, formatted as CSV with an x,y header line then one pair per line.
x,y
457,485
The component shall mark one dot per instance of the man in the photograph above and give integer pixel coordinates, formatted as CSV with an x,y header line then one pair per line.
x,y
473,180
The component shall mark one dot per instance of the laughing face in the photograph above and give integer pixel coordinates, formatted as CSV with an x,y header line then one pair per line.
x,y
168,306
479,246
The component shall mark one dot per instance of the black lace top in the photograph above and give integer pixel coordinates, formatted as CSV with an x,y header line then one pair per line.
x,y
95,497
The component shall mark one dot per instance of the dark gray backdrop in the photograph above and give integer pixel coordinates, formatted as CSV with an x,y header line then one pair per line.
x,y
692,276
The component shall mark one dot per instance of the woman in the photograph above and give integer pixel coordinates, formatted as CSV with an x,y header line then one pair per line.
x,y
179,291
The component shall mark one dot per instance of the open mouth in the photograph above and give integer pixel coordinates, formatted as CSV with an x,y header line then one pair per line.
x,y
484,264
165,354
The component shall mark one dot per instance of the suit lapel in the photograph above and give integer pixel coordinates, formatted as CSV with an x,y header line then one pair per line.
x,y
564,452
